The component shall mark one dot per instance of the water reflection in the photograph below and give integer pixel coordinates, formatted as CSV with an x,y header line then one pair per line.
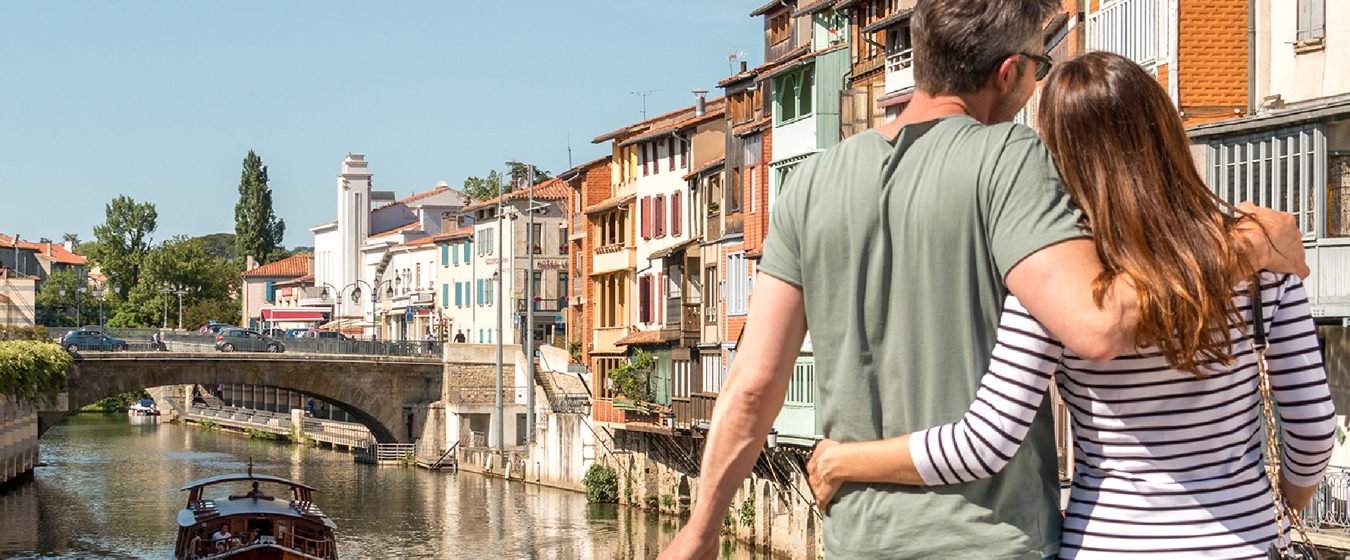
x,y
110,490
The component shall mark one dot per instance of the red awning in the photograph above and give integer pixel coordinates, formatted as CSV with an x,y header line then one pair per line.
x,y
304,315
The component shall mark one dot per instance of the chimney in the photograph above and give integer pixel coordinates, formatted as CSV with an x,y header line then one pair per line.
x,y
743,66
69,245
700,102
249,263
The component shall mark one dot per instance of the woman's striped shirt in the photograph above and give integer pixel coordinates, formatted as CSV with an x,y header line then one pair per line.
x,y
1167,464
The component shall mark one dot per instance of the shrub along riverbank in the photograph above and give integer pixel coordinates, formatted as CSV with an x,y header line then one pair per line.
x,y
31,371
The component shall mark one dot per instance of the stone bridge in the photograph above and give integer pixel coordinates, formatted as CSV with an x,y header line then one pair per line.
x,y
379,391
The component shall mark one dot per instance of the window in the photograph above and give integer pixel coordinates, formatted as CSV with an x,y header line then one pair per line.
x,y
676,214
417,278
562,285
1312,19
802,387
787,99
459,295
712,369
670,151
445,295
646,217
271,295
466,251
659,216
537,238
644,299
738,285
710,295
779,27
684,154
680,377
642,157
1283,170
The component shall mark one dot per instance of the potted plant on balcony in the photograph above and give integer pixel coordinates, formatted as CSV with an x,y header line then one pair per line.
x,y
714,207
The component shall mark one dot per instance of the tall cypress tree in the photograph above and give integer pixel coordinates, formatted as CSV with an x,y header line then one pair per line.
x,y
257,230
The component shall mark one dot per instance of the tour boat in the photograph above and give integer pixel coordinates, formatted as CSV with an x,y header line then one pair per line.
x,y
143,407
254,525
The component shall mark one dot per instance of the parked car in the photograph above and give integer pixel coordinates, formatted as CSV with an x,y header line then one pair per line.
x,y
297,333
211,329
244,340
88,330
329,335
82,339
274,333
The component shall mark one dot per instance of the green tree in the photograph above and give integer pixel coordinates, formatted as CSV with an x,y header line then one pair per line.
x,y
55,309
494,184
206,279
123,240
257,229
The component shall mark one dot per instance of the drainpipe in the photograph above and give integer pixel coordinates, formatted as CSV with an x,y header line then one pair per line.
x,y
1251,57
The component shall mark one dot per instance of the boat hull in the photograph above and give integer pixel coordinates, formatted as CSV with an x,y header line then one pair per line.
x,y
263,552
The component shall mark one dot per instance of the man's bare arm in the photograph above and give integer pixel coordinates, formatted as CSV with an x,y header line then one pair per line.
x,y
1055,285
746,408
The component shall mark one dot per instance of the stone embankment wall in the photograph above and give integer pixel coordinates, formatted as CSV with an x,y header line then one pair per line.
x,y
18,439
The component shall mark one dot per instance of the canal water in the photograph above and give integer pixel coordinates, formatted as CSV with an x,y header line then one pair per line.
x,y
110,490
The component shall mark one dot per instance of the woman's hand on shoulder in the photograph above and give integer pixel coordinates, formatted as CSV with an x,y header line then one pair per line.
x,y
1275,240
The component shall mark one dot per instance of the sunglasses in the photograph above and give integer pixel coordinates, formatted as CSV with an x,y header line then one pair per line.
x,y
1043,64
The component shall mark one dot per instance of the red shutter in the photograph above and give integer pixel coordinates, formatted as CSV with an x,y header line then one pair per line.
x,y
684,154
646,217
644,296
658,302
659,215
642,155
670,151
651,157
675,210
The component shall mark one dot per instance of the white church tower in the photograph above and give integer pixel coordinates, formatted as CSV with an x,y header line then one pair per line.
x,y
353,224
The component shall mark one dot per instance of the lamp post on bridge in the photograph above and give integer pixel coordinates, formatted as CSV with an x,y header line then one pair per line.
x,y
180,292
337,307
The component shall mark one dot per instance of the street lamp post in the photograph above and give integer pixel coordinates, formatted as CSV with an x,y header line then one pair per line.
x,y
180,292
79,311
166,290
497,278
337,307
388,294
529,316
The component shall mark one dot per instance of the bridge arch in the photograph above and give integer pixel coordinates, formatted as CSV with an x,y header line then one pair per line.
x,y
374,390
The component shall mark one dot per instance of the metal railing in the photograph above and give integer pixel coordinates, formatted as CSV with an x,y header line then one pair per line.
x,y
1128,28
570,403
415,349
1327,510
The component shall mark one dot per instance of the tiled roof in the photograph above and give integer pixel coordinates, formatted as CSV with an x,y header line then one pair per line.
x,y
753,126
416,196
419,241
53,251
637,126
397,229
641,337
766,8
710,115
552,189
712,164
11,273
611,203
812,6
298,265
793,60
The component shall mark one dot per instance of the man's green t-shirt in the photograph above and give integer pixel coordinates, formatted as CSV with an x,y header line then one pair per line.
x,y
900,248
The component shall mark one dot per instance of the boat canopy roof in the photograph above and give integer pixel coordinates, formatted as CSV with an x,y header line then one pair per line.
x,y
242,476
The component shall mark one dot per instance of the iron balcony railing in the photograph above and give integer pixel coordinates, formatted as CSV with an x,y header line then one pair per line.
x,y
1125,27
570,403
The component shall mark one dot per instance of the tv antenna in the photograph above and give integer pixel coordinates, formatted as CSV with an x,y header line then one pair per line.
x,y
644,93
732,56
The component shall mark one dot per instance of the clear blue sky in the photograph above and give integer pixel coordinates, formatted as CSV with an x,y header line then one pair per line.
x,y
160,101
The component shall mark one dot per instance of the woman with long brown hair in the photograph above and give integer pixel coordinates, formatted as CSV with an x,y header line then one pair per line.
x,y
1168,439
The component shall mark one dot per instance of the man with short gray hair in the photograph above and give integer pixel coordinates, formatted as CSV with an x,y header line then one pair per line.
x,y
898,247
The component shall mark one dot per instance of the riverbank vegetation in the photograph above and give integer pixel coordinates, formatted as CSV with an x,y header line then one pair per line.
x,y
602,484
32,372
117,403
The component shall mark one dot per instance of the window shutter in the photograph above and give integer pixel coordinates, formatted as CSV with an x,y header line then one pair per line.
x,y
445,295
642,299
659,215
1305,19
684,154
646,217
658,297
642,157
445,255
1319,17
670,151
271,292
675,211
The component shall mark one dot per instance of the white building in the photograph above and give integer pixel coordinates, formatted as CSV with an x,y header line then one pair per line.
x,y
353,253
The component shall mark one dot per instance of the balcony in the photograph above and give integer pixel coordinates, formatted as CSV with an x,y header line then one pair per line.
x,y
899,70
714,226
603,338
1329,285
1128,28
314,297
611,258
735,224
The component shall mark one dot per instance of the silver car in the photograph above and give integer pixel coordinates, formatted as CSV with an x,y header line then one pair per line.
x,y
244,340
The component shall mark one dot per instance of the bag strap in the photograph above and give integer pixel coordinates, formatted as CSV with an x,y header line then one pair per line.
x,y
1260,344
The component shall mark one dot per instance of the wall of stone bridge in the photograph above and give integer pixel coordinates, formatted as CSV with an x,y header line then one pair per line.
x,y
18,439
377,391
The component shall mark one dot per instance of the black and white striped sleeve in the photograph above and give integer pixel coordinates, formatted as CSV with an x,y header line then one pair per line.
x,y
984,440
1299,385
